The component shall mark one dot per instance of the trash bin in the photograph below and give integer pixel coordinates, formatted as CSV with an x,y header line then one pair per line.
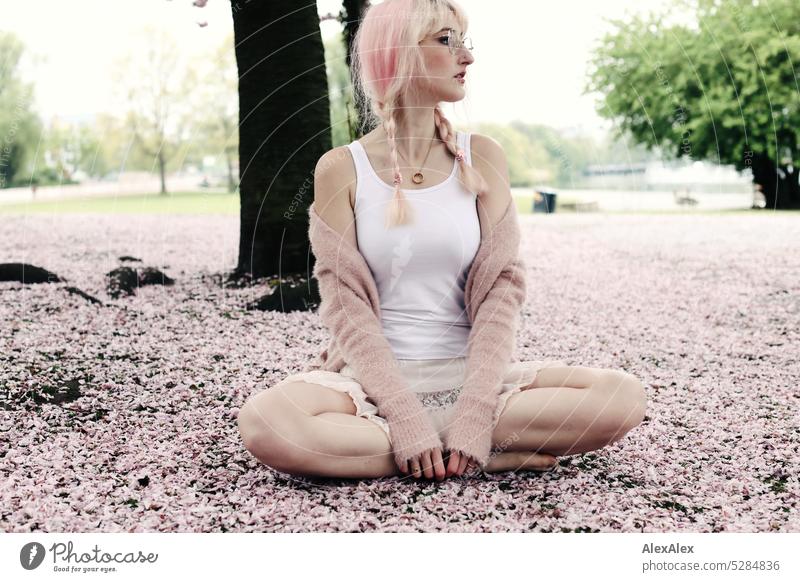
x,y
544,201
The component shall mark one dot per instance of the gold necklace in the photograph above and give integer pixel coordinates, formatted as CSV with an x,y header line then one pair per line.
x,y
419,177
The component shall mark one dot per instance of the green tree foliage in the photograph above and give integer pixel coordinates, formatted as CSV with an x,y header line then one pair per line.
x,y
528,160
721,88
340,92
156,85
19,125
74,147
214,111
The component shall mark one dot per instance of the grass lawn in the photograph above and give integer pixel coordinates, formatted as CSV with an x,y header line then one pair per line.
x,y
224,203
525,204
172,203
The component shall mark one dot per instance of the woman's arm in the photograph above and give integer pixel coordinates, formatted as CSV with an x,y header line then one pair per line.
x,y
334,176
492,338
347,311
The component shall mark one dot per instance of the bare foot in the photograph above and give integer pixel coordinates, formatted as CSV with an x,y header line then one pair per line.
x,y
521,461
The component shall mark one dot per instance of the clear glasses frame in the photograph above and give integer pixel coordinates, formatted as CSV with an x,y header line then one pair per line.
x,y
454,42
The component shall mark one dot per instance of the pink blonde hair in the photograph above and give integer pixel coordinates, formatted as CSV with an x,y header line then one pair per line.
x,y
386,57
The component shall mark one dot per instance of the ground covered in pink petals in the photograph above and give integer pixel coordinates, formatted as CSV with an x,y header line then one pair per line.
x,y
139,432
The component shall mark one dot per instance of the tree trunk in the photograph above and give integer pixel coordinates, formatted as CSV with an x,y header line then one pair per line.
x,y
355,10
778,184
284,128
229,164
162,171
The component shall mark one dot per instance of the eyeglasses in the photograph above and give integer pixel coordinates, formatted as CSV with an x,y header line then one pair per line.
x,y
454,42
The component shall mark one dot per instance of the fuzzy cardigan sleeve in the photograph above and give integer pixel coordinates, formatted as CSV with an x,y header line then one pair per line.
x,y
350,310
495,293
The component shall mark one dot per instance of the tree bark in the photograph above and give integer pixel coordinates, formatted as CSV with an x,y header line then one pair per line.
x,y
354,10
779,184
162,172
229,164
284,128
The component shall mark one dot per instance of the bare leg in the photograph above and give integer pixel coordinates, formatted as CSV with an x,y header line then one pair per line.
x,y
579,409
281,429
520,461
350,446
378,462
308,429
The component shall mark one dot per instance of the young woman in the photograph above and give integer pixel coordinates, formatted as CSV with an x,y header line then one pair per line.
x,y
431,384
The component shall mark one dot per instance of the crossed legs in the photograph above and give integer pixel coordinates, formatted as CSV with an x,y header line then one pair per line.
x,y
308,429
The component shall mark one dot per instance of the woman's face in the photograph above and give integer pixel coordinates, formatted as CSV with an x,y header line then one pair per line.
x,y
443,65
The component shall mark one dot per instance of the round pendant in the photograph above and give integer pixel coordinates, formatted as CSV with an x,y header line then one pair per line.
x,y
417,178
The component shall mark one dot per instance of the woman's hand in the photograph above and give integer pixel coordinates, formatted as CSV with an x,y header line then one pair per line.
x,y
429,463
459,464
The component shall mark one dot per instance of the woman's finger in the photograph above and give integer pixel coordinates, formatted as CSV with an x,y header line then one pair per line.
x,y
452,466
462,465
427,465
404,467
415,467
438,464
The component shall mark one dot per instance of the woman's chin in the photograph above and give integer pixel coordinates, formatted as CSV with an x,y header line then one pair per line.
x,y
453,96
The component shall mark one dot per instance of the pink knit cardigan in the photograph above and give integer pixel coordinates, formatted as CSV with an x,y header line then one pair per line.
x,y
494,294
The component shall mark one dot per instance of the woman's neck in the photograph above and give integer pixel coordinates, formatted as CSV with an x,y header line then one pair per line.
x,y
413,137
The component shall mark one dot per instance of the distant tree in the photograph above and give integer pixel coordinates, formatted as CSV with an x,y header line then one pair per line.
x,y
725,90
528,161
19,125
344,117
73,147
559,155
351,15
348,118
214,114
156,85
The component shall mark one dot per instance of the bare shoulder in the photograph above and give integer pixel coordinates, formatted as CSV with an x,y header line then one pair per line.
x,y
489,159
336,166
334,178
485,143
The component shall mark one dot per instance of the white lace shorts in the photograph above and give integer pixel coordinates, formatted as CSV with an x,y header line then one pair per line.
x,y
437,383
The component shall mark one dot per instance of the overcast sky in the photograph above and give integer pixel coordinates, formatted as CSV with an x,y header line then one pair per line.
x,y
530,55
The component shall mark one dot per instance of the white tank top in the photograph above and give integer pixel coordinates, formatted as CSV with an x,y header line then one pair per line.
x,y
420,269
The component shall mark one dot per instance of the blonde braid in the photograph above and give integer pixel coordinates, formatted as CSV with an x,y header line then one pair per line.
x,y
471,178
398,211
445,129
